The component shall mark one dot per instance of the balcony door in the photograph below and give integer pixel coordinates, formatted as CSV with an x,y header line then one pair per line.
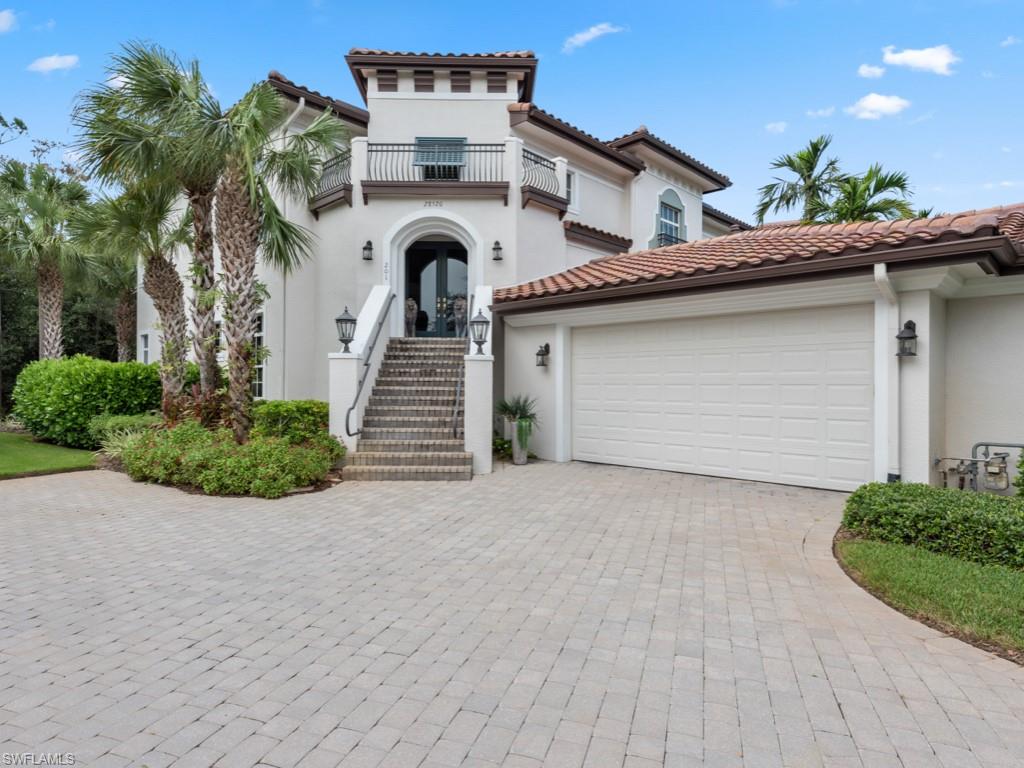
x,y
436,280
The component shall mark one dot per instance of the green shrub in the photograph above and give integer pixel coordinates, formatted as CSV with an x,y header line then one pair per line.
x,y
293,420
100,427
191,455
57,399
972,526
115,442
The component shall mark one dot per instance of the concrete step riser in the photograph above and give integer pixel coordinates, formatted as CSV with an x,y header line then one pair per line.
x,y
406,433
409,446
423,401
400,422
411,459
410,411
425,373
420,474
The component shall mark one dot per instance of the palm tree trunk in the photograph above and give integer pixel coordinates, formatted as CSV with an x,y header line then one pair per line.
x,y
202,301
163,285
124,325
50,289
238,234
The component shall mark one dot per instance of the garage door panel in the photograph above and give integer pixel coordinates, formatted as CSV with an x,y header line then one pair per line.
x,y
784,397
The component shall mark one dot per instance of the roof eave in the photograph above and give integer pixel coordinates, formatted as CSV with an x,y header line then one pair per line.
x,y
556,126
342,109
995,254
717,181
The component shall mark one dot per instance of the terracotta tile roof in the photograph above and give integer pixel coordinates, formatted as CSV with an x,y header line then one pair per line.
x,y
492,55
315,98
768,246
584,233
642,135
526,111
724,217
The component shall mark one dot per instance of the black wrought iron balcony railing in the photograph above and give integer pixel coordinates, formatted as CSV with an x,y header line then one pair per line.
x,y
442,162
539,172
335,184
664,238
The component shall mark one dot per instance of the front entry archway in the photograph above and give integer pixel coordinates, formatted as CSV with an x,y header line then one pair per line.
x,y
436,289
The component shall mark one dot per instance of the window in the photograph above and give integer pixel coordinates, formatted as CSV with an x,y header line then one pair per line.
x,y
144,347
460,81
387,80
440,159
570,189
259,369
423,81
670,221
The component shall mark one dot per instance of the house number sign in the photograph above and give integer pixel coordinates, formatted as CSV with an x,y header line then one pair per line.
x,y
433,204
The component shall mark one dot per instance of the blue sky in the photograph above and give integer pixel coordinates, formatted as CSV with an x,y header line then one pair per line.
x,y
938,93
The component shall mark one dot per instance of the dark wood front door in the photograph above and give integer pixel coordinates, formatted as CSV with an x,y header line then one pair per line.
x,y
436,279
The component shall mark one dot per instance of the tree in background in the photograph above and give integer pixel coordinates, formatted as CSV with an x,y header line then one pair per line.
x,y
143,225
35,207
155,122
875,196
816,179
258,159
113,275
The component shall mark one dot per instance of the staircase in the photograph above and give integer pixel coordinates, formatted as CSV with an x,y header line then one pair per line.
x,y
407,431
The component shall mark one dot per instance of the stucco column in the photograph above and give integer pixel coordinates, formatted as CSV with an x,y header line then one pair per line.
x,y
343,380
922,387
479,410
359,168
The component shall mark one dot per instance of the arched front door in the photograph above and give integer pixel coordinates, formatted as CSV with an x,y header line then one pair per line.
x,y
436,287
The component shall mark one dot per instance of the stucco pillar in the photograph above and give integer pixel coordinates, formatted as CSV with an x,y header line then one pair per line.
x,y
922,387
479,410
359,166
343,380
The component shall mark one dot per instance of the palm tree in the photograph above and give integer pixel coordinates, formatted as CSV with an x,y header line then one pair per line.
x,y
155,121
35,206
875,196
144,223
114,274
814,182
259,159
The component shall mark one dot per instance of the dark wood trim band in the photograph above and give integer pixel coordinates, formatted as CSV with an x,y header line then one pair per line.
x,y
994,254
435,189
533,195
602,241
342,194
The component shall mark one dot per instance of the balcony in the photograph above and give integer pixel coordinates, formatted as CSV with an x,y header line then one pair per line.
x,y
541,184
335,184
664,238
442,167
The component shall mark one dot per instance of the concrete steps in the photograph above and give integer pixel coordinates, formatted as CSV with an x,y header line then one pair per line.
x,y
408,429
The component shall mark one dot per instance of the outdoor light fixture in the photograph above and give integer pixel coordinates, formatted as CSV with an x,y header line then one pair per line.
x,y
496,250
542,355
346,328
478,327
368,251
906,340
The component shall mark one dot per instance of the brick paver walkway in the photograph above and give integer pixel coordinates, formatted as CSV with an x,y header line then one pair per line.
x,y
561,615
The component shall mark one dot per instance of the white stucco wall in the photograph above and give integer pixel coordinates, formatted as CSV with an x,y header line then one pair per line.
x,y
984,372
524,377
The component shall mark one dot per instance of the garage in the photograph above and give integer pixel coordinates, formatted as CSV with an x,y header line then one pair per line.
x,y
782,397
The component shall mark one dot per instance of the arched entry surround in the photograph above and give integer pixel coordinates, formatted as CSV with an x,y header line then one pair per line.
x,y
436,224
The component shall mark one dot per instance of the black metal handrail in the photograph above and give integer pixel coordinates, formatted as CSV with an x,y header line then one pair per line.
x,y
334,174
425,162
539,172
664,238
367,360
458,382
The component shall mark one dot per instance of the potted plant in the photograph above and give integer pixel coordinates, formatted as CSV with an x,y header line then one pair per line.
x,y
521,412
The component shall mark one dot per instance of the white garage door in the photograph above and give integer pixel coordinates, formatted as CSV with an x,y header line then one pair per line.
x,y
783,397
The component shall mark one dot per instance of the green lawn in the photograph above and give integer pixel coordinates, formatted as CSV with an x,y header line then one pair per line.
x,y
977,602
21,455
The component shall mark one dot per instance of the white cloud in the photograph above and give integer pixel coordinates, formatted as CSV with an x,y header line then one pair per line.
x,y
823,112
870,71
8,21
46,26
937,59
923,118
116,81
777,127
1010,40
875,105
1006,149
57,61
589,35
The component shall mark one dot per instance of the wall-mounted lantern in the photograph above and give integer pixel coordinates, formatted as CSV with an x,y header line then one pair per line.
x,y
368,251
346,328
478,327
496,251
542,355
906,340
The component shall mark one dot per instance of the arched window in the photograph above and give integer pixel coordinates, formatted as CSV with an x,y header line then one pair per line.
x,y
669,221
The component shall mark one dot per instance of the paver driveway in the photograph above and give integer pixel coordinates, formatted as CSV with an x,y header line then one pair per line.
x,y
553,614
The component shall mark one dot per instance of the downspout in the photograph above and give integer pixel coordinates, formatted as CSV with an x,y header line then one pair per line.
x,y
284,277
888,292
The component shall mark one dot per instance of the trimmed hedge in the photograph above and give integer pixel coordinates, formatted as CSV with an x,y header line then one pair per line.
x,y
293,420
973,526
57,399
191,455
102,426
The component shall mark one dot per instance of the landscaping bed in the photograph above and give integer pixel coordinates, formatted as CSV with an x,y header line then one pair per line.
x,y
953,560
